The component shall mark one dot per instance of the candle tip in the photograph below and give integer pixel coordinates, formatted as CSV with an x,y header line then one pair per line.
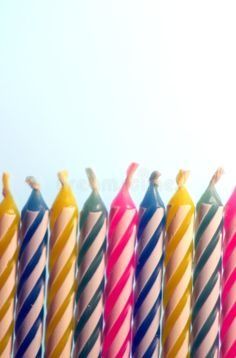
x,y
5,183
130,172
182,177
32,182
63,177
92,179
217,175
154,177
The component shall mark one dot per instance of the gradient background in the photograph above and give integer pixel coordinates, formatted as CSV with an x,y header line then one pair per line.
x,y
102,83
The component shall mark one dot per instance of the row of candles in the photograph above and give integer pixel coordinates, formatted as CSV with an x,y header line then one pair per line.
x,y
93,306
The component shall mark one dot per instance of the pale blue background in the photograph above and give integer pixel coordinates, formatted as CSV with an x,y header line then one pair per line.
x,y
102,83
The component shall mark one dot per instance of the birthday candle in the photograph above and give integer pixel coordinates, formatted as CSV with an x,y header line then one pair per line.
x,y
31,276
120,273
62,264
228,327
91,274
148,290
207,273
178,272
9,224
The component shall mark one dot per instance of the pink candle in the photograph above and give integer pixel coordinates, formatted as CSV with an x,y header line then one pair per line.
x,y
120,273
228,326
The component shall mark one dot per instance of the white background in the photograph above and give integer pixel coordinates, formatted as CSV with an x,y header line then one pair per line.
x,y
103,83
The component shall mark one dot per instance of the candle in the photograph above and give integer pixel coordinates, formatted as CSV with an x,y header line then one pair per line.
x,y
148,290
91,274
228,328
9,224
178,271
120,272
62,264
207,273
29,327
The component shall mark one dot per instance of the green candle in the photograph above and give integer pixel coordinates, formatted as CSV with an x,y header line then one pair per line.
x,y
91,274
207,272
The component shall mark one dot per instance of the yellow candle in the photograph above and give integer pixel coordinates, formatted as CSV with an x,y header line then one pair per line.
x,y
62,264
178,272
9,225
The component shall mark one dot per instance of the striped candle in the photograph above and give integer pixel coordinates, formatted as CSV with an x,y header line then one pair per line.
x,y
62,264
207,273
29,325
148,289
120,273
91,274
178,272
228,327
9,225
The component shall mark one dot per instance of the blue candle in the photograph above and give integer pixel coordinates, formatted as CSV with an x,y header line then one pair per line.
x,y
148,290
29,325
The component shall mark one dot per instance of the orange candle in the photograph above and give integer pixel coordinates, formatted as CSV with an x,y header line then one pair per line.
x,y
62,264
9,225
178,272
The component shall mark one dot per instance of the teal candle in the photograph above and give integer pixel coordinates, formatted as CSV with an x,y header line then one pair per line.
x,y
207,273
91,274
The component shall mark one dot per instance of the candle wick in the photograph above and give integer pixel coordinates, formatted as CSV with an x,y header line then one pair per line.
x,y
130,173
92,179
217,175
63,177
154,178
6,183
32,182
182,177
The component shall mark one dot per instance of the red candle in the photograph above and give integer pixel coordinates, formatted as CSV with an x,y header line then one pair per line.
x,y
120,272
